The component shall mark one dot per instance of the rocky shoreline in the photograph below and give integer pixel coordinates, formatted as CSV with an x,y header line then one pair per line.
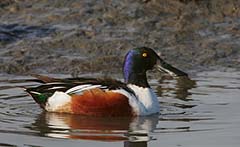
x,y
77,37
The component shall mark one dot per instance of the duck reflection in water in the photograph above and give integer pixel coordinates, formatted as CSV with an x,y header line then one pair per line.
x,y
176,87
134,131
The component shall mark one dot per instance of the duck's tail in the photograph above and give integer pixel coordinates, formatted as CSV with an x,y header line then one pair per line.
x,y
40,98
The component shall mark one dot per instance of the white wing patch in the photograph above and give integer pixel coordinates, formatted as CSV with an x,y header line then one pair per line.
x,y
57,87
34,92
79,89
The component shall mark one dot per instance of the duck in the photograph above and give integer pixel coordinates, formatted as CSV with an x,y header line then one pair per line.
x,y
106,96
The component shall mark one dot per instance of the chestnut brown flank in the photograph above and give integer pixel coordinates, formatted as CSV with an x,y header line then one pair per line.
x,y
96,102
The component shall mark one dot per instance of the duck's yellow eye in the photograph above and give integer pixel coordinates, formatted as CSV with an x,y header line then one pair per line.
x,y
144,54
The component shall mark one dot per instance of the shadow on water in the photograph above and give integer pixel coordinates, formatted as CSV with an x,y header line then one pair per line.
x,y
179,87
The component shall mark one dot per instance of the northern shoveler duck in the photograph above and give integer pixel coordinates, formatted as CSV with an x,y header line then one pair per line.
x,y
106,97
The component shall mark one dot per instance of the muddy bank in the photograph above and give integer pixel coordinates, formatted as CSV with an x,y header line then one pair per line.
x,y
62,36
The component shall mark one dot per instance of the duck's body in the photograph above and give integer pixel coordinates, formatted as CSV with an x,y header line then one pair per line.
x,y
103,97
96,97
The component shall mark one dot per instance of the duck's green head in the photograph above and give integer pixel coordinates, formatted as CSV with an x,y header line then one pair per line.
x,y
139,60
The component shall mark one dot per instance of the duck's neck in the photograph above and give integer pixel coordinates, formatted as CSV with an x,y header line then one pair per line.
x,y
138,79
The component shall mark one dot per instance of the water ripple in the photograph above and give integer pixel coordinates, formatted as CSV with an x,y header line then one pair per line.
x,y
201,104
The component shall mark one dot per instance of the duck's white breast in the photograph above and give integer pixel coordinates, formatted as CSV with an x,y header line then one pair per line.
x,y
144,102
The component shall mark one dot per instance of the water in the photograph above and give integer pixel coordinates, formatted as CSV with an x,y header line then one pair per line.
x,y
197,112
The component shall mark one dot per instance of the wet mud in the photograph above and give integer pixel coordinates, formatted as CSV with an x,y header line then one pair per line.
x,y
76,37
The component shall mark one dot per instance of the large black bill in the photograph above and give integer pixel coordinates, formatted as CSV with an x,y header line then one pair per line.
x,y
169,69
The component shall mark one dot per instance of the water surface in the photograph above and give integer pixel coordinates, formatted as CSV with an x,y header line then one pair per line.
x,y
201,111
